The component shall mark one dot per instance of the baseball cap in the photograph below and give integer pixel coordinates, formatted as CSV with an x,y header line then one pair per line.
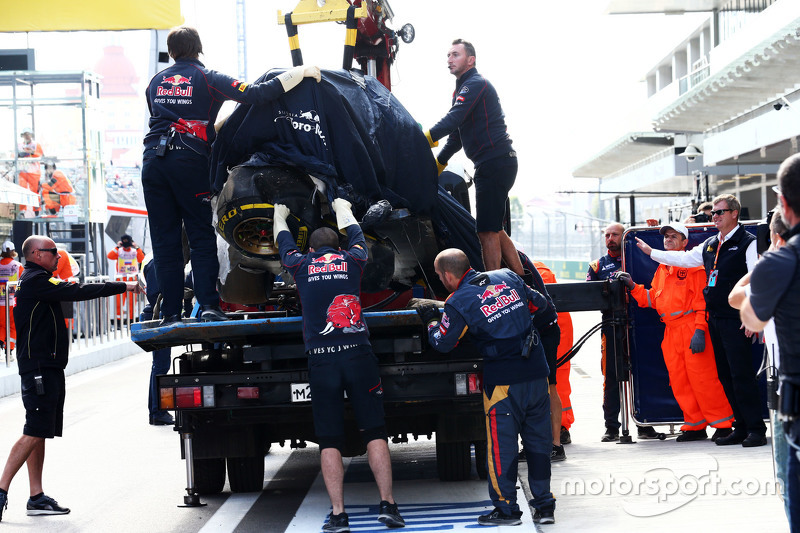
x,y
8,246
677,226
26,130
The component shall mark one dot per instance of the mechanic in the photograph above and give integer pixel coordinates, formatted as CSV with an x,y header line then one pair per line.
x,y
677,296
476,122
726,256
340,357
774,293
546,323
42,355
127,257
601,270
10,270
184,100
32,173
495,308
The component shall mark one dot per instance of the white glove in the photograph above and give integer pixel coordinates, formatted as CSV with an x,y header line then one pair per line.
x,y
312,72
292,77
344,215
281,212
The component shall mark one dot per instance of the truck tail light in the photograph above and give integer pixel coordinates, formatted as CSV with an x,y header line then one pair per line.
x,y
468,384
187,397
167,396
247,393
474,385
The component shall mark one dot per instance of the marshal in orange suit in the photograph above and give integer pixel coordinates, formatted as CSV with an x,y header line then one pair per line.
x,y
677,295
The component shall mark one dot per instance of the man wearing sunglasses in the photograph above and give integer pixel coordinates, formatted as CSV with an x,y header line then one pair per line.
x,y
42,353
727,257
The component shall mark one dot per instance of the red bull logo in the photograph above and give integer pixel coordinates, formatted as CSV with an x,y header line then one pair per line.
x,y
491,291
175,90
344,313
327,263
501,301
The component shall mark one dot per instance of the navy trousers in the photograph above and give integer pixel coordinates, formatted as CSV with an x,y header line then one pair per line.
x,y
521,409
733,353
176,190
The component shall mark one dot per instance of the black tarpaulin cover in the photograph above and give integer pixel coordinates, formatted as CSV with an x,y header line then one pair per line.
x,y
347,129
352,133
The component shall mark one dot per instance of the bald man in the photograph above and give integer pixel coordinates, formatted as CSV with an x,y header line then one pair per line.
x,y
42,358
601,270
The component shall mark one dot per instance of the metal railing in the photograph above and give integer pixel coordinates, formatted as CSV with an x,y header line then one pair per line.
x,y
93,322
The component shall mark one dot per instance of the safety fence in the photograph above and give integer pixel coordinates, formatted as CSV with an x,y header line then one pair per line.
x,y
90,323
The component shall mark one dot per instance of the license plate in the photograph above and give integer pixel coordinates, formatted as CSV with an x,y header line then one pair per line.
x,y
301,392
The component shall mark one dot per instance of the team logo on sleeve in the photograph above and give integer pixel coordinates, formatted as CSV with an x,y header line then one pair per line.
x,y
344,313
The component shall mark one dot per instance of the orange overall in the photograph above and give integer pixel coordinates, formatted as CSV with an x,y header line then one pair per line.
x,y
677,295
29,177
128,261
10,270
565,344
57,192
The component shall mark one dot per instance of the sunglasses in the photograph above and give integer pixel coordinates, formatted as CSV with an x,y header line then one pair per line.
x,y
53,251
719,212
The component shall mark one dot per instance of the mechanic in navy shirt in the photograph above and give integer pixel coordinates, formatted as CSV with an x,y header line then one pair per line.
x,y
184,100
495,308
775,293
340,357
476,122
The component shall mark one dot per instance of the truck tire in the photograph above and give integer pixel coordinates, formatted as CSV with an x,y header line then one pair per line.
x,y
209,475
481,467
246,474
453,460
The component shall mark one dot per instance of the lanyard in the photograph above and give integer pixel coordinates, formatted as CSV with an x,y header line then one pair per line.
x,y
717,256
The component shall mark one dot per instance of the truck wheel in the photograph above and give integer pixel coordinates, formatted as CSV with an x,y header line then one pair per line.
x,y
453,460
209,475
246,474
481,467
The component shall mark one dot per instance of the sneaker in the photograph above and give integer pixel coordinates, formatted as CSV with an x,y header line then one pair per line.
x,y
647,432
545,515
45,505
565,436
692,434
337,523
558,454
3,503
499,518
389,516
610,435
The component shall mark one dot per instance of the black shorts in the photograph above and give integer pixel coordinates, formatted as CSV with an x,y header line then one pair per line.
x,y
354,371
493,180
44,414
551,337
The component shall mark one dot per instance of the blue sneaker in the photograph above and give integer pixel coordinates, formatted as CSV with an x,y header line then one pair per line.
x,y
44,505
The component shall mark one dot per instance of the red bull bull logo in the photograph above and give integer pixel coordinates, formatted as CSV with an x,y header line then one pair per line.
x,y
175,90
344,313
327,263
491,291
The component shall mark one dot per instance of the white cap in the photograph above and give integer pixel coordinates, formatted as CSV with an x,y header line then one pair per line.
x,y
26,130
677,226
8,246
